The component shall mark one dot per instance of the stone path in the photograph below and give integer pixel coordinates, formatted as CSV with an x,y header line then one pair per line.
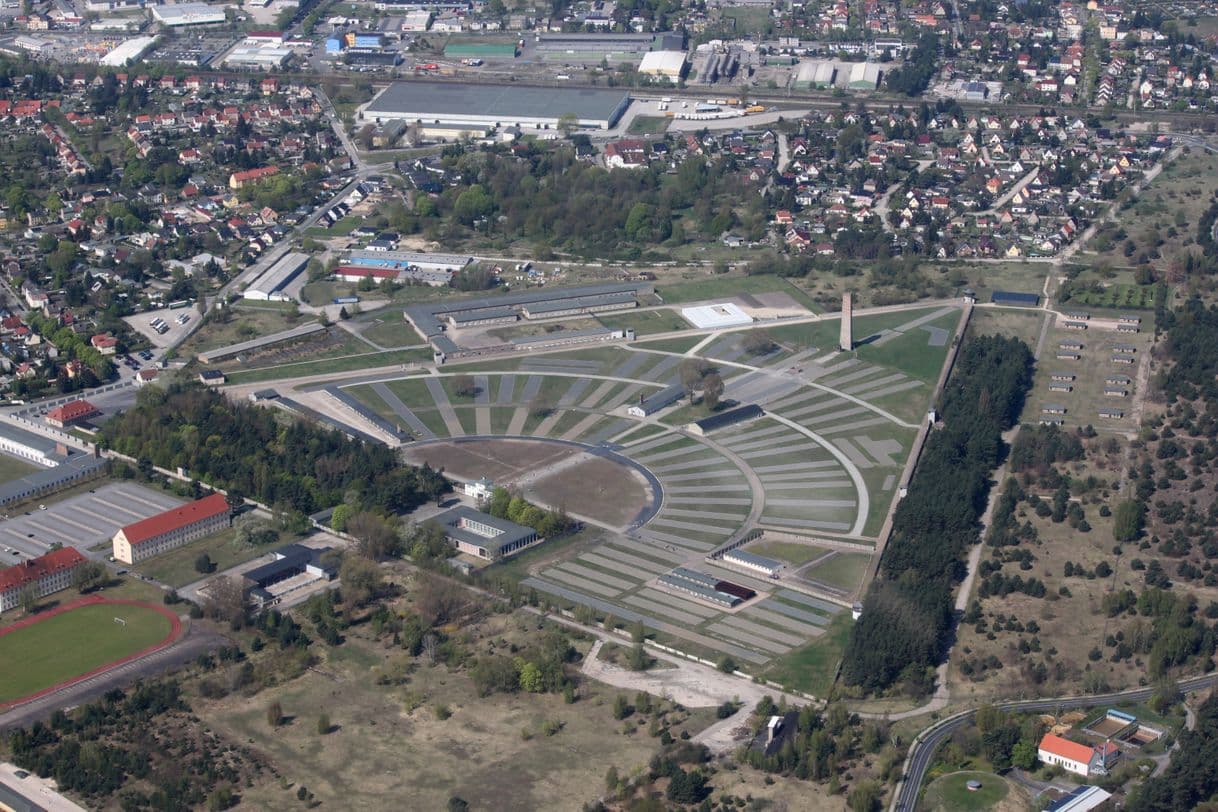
x,y
417,427
507,384
516,425
436,389
576,431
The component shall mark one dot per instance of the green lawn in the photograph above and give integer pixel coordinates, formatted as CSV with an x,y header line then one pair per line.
x,y
811,669
12,468
328,366
648,125
74,643
644,322
842,570
911,353
951,793
794,554
727,286
177,567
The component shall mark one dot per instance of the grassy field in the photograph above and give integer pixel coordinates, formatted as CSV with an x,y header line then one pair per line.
x,y
911,352
12,468
1087,397
389,740
644,322
74,643
811,669
177,567
842,570
246,323
793,554
391,330
951,793
729,285
1023,324
1133,297
648,125
332,365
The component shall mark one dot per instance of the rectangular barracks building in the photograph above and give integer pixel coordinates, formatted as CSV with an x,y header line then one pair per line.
x,y
173,528
492,106
49,573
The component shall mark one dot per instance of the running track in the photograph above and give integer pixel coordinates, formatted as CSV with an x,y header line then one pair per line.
x,y
175,631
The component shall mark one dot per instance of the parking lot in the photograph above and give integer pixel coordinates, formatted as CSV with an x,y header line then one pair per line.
x,y
142,324
82,521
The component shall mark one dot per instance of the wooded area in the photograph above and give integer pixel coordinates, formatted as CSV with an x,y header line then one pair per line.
x,y
260,454
907,610
1192,777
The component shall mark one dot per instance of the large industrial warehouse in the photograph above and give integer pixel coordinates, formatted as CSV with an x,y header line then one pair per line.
x,y
495,106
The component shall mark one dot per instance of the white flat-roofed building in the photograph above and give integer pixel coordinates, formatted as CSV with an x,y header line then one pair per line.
x,y
128,51
663,64
188,14
541,108
716,316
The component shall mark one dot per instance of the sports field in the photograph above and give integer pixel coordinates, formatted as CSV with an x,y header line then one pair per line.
x,y
68,644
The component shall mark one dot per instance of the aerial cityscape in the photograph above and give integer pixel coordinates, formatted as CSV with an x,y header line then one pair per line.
x,y
608,406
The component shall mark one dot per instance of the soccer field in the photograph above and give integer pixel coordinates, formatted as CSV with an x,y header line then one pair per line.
x,y
72,643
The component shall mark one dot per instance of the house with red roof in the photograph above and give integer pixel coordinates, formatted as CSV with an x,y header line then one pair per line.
x,y
239,180
47,573
71,412
1080,759
104,343
173,528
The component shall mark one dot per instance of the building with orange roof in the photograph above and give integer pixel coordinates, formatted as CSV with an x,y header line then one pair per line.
x,y
47,573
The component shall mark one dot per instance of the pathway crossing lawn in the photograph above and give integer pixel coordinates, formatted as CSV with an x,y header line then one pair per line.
x,y
911,352
644,322
568,421
820,334
793,554
73,643
671,344
811,668
177,567
432,419
842,570
367,396
413,392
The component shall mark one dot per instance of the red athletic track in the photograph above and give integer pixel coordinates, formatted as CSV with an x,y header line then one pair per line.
x,y
175,631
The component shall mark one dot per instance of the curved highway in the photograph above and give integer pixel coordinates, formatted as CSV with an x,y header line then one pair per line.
x,y
922,752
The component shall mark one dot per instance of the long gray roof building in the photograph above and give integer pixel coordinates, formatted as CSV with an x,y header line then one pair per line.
x,y
497,105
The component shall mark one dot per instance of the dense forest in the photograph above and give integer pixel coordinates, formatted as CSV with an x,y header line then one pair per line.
x,y
259,454
1192,334
907,610
1192,777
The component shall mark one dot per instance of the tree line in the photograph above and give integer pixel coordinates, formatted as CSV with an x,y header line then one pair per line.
x,y
907,610
258,453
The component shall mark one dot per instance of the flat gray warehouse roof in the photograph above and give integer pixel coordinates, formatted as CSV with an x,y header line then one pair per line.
x,y
454,101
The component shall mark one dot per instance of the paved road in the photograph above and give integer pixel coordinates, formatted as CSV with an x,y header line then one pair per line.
x,y
922,753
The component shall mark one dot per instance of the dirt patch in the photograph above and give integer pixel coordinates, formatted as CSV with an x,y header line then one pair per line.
x,y
498,460
597,488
